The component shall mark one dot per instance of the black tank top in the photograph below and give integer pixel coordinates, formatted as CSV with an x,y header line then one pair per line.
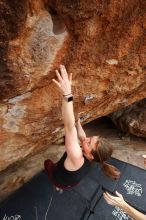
x,y
65,177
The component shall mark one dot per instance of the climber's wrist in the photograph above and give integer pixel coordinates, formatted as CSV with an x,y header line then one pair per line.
x,y
68,97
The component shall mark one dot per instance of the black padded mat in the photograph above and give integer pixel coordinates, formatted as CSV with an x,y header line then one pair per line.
x,y
103,211
34,200
132,185
94,201
87,188
31,202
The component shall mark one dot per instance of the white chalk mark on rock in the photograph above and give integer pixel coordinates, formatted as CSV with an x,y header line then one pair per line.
x,y
112,61
19,98
13,118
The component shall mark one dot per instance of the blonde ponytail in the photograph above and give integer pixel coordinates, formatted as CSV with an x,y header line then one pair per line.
x,y
110,170
101,154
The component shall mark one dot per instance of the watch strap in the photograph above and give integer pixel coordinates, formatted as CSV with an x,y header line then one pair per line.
x,y
68,98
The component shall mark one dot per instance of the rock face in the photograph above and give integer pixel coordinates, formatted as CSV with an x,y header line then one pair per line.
x,y
101,42
132,119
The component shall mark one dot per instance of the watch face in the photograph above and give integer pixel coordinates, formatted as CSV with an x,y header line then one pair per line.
x,y
70,99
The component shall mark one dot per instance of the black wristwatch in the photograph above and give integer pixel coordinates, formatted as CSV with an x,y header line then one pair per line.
x,y
68,98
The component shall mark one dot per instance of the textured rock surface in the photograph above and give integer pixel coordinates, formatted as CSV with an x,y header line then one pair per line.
x,y
101,42
132,119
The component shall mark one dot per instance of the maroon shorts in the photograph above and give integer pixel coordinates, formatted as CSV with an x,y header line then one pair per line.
x,y
50,168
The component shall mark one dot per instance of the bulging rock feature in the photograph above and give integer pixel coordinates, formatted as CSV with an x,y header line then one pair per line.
x,y
132,119
30,55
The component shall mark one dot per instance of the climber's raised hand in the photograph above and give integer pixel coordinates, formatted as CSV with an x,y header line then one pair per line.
x,y
63,81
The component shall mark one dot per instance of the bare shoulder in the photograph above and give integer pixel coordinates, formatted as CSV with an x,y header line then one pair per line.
x,y
73,165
